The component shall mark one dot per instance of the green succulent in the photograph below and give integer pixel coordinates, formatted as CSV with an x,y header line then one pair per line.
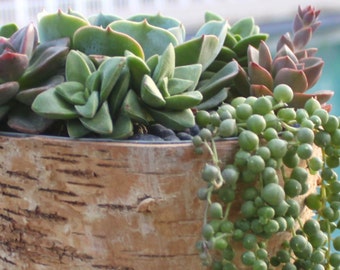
x,y
165,92
95,100
83,99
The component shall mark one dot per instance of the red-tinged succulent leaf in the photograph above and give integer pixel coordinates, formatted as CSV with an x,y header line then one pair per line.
x,y
282,62
8,91
5,45
45,65
308,17
25,40
259,90
265,56
315,26
12,66
253,55
302,37
310,52
24,120
300,99
286,51
241,82
27,96
298,22
313,69
259,75
285,40
296,79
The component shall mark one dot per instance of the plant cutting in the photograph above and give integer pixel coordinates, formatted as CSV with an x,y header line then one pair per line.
x,y
136,90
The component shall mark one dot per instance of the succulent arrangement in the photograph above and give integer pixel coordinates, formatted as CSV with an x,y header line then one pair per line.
x,y
113,78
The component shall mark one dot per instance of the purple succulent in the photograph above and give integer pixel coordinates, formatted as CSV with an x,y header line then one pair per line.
x,y
293,64
26,69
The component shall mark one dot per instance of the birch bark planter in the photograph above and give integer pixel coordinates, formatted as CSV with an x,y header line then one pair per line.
x,y
69,204
73,204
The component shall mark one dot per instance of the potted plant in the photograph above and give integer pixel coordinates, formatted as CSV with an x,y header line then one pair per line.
x,y
150,113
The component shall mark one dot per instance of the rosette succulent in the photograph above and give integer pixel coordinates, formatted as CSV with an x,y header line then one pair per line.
x,y
27,68
293,64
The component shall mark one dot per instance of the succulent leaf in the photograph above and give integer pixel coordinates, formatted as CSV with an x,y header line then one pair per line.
x,y
201,50
51,105
178,86
219,80
243,27
76,129
110,71
58,25
242,46
103,20
265,57
300,99
46,60
101,122
216,28
259,90
190,72
95,40
171,24
89,109
146,34
119,92
133,108
166,65
12,66
8,91
122,128
78,67
150,93
138,68
296,79
175,120
211,16
25,40
72,92
282,62
226,54
183,101
23,119
27,96
259,75
302,37
312,69
214,101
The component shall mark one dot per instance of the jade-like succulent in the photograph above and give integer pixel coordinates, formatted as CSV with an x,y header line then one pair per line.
x,y
293,64
122,91
163,92
82,99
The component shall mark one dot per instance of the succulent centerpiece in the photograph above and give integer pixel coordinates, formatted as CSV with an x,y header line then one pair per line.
x,y
272,202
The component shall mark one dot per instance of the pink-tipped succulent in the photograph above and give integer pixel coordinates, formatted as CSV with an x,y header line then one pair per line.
x,y
14,59
293,63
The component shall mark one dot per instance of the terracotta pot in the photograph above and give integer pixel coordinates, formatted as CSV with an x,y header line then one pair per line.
x,y
76,204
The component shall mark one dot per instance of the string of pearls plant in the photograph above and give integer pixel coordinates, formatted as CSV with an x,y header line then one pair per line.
x,y
271,138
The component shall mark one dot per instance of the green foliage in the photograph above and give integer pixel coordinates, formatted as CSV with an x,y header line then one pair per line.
x,y
267,205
